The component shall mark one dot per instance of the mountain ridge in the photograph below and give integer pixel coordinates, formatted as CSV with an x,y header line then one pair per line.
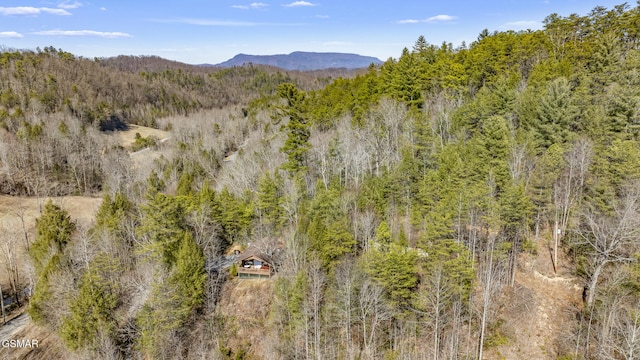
x,y
304,61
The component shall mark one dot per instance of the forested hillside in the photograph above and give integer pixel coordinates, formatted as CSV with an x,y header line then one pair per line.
x,y
407,209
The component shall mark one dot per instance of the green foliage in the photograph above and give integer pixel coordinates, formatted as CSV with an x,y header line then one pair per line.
x,y
154,185
406,81
188,277
164,224
448,269
42,292
185,185
112,213
288,308
496,147
383,235
632,275
92,311
515,207
234,216
174,300
296,146
53,231
556,113
141,142
378,192
233,270
613,169
396,271
271,200
328,229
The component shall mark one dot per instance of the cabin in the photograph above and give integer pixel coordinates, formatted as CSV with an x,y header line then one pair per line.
x,y
254,264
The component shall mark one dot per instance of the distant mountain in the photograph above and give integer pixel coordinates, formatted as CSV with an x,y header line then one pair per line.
x,y
304,61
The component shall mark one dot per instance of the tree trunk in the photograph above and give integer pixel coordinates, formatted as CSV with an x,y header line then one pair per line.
x,y
593,282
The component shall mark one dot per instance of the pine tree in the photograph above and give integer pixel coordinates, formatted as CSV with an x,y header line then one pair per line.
x,y
270,200
53,231
92,310
396,271
188,277
164,224
173,300
556,113
328,229
383,235
496,141
296,146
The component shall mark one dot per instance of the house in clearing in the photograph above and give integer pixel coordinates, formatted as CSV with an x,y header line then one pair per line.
x,y
255,264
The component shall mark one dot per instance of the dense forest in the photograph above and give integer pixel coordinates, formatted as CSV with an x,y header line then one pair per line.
x,y
400,204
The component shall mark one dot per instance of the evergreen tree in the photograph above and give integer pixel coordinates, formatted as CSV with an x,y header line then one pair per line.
x,y
92,310
188,277
53,231
270,200
383,235
112,212
556,113
496,142
297,145
406,84
173,301
164,224
396,271
328,229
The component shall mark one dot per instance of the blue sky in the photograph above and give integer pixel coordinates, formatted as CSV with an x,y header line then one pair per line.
x,y
212,31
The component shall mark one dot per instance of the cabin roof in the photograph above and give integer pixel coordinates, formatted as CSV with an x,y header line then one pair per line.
x,y
255,254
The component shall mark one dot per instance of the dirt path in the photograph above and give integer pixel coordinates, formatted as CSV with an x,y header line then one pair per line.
x,y
538,310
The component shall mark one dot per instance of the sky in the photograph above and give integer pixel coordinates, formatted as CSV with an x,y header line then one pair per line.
x,y
212,31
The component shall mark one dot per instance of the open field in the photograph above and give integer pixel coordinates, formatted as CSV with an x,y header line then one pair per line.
x,y
14,209
126,138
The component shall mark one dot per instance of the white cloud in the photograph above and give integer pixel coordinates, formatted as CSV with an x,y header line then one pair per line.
x,y
11,34
69,5
255,5
439,18
408,21
29,10
109,35
322,16
299,3
433,19
103,9
521,25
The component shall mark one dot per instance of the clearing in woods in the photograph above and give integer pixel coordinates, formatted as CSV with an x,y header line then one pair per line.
x,y
127,137
15,208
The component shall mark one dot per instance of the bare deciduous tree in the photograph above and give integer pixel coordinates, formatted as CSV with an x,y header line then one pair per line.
x,y
567,190
610,238
373,313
